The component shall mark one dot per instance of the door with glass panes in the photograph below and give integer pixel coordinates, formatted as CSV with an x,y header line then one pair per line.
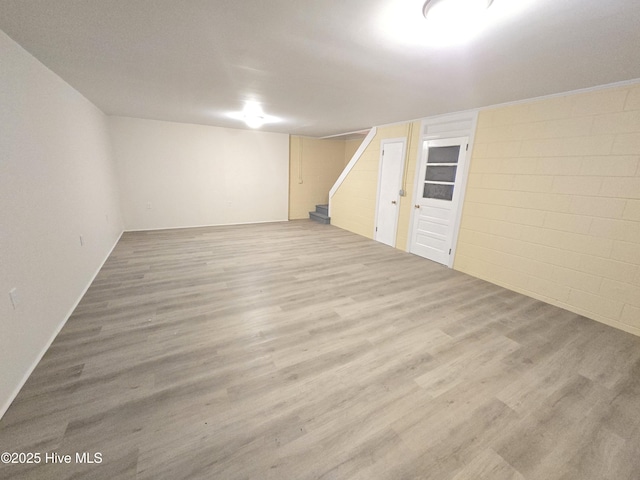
x,y
437,198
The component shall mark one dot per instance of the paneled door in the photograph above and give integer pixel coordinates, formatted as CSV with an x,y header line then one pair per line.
x,y
389,182
437,198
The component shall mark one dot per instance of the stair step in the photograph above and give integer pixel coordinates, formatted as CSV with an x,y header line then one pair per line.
x,y
320,217
323,209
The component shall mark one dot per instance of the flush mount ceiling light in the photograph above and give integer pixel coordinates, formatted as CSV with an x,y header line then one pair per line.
x,y
445,23
253,115
454,21
454,9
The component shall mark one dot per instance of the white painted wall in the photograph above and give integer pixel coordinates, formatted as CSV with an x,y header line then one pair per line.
x,y
193,175
57,182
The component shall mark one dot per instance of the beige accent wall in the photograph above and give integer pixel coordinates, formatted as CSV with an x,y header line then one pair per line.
x,y
353,207
314,166
552,206
350,147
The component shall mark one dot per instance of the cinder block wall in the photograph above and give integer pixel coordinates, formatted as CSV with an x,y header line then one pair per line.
x,y
552,207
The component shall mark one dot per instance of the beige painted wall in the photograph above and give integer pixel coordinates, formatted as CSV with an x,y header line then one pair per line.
x,y
57,182
552,206
350,147
314,166
353,206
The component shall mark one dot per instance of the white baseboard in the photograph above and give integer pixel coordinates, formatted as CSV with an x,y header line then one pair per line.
x,y
4,407
204,226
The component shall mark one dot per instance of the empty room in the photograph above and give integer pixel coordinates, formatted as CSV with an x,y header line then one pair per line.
x,y
394,239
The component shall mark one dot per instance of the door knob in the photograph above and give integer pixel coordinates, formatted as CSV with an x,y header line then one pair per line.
x,y
393,202
416,206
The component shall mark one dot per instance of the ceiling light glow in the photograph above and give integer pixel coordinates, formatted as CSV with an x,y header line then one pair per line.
x,y
442,23
452,10
254,121
253,115
454,21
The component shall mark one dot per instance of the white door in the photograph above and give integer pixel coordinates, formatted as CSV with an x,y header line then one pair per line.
x,y
437,198
389,183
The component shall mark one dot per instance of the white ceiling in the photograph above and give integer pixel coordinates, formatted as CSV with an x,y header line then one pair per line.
x,y
323,67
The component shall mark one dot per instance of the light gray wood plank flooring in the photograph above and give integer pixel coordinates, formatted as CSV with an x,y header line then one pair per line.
x,y
301,351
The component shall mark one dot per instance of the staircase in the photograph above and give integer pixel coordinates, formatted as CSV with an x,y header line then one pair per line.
x,y
321,214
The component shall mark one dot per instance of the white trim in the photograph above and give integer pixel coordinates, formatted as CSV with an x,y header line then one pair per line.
x,y
356,156
206,225
12,397
469,115
463,190
355,132
621,84
384,141
597,88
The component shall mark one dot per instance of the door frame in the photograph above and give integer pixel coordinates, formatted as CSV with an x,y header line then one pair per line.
x,y
384,141
444,127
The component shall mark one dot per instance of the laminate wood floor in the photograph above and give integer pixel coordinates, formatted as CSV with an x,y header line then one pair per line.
x,y
302,351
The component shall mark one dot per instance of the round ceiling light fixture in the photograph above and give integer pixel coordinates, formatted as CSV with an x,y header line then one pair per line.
x,y
453,9
253,115
454,22
446,23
